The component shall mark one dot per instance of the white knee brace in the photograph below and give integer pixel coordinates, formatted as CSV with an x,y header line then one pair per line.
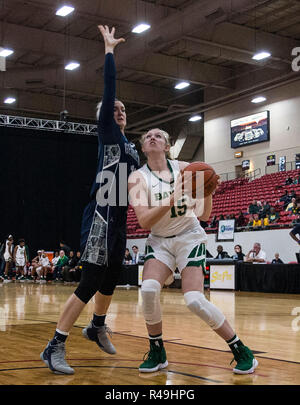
x,y
151,301
208,312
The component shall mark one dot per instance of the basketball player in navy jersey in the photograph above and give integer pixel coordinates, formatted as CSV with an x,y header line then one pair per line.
x,y
103,231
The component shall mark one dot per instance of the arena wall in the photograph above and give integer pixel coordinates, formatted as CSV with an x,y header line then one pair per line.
x,y
284,106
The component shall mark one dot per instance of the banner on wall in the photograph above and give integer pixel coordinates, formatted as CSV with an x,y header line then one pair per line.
x,y
271,160
282,163
297,160
245,164
226,230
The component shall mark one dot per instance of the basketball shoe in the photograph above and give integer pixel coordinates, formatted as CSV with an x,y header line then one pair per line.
x,y
99,335
246,362
54,358
156,360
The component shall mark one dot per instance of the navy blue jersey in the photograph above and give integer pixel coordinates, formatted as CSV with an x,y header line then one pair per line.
x,y
106,215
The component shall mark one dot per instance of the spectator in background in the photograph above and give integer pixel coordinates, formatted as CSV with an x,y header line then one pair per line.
x,y
254,208
241,220
274,216
285,198
292,195
250,221
277,260
54,260
64,247
294,210
256,255
256,221
297,180
290,205
135,255
221,253
288,181
75,273
266,221
35,264
214,222
127,257
71,263
45,267
238,254
62,261
265,210
221,217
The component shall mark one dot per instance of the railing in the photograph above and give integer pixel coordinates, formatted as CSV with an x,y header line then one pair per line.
x,y
245,175
275,168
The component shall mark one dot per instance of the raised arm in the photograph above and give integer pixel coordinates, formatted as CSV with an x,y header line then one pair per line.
x,y
106,116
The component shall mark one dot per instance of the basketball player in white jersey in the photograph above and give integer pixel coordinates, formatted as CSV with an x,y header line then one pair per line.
x,y
8,257
176,240
20,258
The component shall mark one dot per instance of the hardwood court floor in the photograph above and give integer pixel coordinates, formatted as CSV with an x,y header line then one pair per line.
x,y
196,355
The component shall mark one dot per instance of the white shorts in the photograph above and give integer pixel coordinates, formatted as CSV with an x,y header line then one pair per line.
x,y
181,251
20,261
7,257
38,270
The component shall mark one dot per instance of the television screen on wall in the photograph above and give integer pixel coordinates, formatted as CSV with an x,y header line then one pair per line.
x,y
254,128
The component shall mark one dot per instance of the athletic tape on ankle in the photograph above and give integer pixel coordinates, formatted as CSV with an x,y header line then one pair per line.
x,y
150,291
208,312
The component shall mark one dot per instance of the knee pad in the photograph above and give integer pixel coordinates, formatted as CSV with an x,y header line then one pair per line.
x,y
209,313
150,291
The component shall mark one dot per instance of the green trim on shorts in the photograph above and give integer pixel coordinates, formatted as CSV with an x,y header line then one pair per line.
x,y
197,252
149,257
198,263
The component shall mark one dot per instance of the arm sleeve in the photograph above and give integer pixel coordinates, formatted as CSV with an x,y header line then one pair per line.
x,y
106,117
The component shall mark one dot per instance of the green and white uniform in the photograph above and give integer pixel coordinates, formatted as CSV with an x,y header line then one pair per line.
x,y
177,239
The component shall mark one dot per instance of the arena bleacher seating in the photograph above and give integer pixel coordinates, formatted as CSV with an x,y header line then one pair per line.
x,y
234,196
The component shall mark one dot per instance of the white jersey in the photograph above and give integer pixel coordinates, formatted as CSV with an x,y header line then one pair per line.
x,y
44,261
8,248
20,253
179,219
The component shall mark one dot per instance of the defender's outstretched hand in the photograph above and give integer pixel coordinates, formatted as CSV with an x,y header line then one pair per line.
x,y
109,38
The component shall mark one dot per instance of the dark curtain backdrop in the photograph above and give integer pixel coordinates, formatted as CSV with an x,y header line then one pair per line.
x,y
45,181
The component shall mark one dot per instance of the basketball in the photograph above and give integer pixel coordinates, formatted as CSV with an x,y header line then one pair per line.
x,y
210,177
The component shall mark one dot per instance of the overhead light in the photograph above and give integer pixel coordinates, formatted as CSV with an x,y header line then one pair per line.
x,y
9,100
195,118
182,85
4,52
64,11
72,66
261,55
138,29
259,99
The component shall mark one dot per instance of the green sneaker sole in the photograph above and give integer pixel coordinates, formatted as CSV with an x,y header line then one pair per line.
x,y
156,368
251,370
